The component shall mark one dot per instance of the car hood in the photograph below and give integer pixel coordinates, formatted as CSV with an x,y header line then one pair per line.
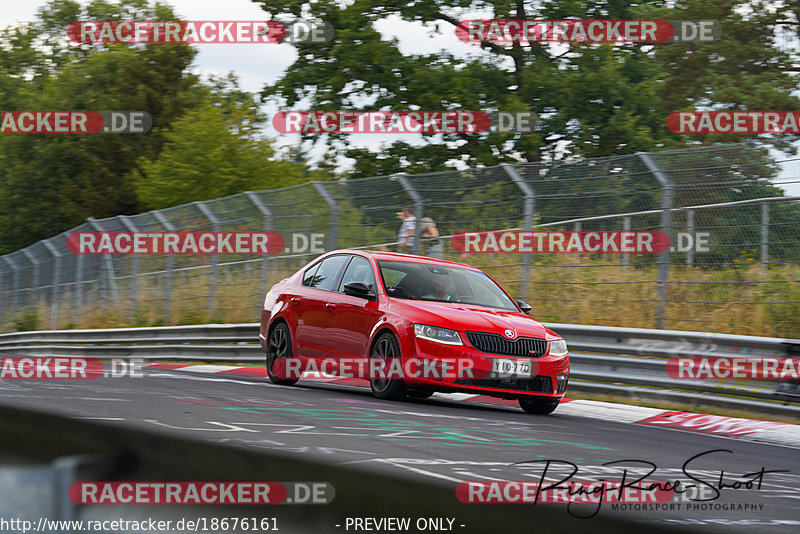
x,y
465,317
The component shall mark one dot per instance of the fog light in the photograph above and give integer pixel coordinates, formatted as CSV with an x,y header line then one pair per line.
x,y
561,383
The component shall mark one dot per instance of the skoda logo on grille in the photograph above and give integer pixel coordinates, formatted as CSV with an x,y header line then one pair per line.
x,y
509,333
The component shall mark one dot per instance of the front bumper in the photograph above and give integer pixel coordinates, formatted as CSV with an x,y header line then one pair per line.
x,y
463,368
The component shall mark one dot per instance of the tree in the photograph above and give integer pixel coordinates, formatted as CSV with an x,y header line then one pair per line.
x,y
213,151
49,183
593,99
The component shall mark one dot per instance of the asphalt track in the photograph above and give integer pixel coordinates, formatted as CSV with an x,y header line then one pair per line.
x,y
447,440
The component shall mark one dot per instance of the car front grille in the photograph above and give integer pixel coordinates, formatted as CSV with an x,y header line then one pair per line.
x,y
536,384
529,347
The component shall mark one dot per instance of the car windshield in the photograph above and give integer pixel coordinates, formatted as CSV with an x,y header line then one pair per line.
x,y
424,281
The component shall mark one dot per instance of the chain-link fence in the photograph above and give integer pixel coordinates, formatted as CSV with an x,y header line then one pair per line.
x,y
742,276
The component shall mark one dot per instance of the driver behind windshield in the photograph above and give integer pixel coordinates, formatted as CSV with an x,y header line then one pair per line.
x,y
440,289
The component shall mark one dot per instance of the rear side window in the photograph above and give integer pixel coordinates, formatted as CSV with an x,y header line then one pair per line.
x,y
308,277
328,271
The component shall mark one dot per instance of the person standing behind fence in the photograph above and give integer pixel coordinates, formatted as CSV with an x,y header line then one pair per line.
x,y
430,236
405,237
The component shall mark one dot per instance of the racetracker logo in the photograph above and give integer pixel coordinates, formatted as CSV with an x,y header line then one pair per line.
x,y
734,122
561,242
74,122
383,368
211,493
567,492
403,122
381,122
745,367
199,31
587,31
175,243
53,368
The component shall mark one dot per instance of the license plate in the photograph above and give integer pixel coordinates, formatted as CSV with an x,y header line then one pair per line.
x,y
502,367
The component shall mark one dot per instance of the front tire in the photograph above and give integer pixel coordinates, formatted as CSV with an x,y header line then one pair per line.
x,y
387,349
538,405
279,351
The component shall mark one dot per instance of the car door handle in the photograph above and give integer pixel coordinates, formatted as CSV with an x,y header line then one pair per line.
x,y
330,306
294,300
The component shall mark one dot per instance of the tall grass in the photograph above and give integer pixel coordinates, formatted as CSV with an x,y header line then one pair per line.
x,y
570,289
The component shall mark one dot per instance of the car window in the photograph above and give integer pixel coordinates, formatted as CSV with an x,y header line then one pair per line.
x,y
308,276
422,281
359,270
483,290
329,269
391,277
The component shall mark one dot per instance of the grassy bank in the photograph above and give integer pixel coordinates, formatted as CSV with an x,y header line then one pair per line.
x,y
570,289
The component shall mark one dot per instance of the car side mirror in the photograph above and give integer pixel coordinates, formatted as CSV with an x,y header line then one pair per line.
x,y
358,289
524,306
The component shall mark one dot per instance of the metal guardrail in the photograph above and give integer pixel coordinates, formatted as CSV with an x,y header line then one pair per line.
x,y
611,360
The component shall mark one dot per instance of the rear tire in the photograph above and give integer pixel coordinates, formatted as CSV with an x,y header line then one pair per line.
x,y
538,406
387,348
279,347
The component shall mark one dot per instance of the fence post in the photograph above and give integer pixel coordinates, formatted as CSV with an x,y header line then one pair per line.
x,y
108,267
14,282
170,266
333,227
267,215
212,282
764,235
666,227
626,227
55,291
690,229
3,293
134,289
35,277
529,206
78,296
419,209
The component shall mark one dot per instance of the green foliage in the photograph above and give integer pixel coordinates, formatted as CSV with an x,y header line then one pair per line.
x,y
213,151
784,302
49,183
26,321
592,99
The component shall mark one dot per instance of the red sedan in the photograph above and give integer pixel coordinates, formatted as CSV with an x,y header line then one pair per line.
x,y
411,326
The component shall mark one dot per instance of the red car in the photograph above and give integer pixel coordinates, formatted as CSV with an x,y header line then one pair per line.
x,y
411,326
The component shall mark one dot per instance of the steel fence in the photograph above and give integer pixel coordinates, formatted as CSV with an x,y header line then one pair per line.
x,y
745,279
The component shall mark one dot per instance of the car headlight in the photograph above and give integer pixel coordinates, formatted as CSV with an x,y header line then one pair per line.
x,y
558,348
439,335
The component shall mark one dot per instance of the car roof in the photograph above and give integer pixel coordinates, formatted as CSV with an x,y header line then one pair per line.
x,y
397,256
